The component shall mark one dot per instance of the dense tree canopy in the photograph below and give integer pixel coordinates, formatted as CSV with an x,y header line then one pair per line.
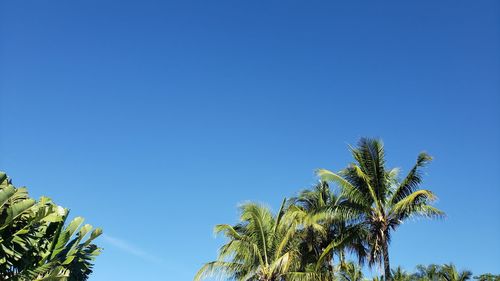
x,y
37,243
321,225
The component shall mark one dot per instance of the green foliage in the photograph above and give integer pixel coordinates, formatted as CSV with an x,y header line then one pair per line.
x,y
429,272
331,234
399,274
433,272
263,246
488,277
446,272
379,199
35,242
352,211
449,272
350,272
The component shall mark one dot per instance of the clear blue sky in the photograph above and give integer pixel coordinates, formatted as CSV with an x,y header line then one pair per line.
x,y
155,119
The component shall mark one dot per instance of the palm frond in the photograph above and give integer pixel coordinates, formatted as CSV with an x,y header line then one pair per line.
x,y
349,191
416,204
412,180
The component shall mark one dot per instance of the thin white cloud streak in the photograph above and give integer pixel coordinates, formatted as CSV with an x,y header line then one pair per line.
x,y
132,250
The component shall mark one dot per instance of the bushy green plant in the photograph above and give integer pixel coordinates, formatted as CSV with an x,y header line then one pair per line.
x,y
35,241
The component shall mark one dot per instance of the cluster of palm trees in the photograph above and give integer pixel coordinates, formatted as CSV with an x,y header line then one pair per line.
x,y
433,272
36,243
311,234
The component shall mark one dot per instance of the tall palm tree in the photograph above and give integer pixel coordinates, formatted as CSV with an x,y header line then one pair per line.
x,y
261,247
379,198
449,272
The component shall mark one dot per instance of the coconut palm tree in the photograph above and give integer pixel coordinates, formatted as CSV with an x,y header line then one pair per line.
x,y
314,203
380,200
320,204
449,272
262,247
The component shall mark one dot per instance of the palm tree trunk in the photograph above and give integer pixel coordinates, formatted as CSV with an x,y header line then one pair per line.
x,y
387,266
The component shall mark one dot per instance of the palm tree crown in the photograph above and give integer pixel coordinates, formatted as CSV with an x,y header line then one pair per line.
x,y
380,200
335,234
261,247
449,272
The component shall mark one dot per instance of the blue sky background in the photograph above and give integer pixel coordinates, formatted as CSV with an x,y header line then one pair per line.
x,y
155,119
